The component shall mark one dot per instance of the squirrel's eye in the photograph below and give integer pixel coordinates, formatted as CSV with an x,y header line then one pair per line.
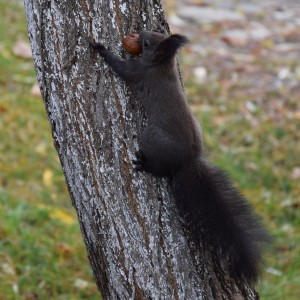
x,y
146,43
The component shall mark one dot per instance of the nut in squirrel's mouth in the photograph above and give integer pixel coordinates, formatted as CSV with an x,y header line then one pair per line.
x,y
132,44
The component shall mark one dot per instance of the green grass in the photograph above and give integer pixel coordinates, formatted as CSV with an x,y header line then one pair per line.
x,y
42,255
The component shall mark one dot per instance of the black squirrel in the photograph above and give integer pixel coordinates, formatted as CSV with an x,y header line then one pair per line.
x,y
172,145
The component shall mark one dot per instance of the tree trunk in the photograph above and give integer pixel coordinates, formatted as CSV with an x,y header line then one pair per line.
x,y
136,244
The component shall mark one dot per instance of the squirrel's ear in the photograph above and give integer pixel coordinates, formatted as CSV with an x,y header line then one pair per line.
x,y
168,47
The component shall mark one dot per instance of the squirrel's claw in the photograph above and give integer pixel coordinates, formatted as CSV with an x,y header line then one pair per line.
x,y
140,161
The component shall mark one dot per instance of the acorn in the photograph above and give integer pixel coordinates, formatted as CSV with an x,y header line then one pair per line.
x,y
131,44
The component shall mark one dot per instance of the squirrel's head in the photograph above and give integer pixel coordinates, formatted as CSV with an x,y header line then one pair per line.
x,y
150,41
157,48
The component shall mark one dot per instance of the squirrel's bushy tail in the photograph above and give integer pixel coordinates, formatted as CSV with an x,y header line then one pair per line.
x,y
218,214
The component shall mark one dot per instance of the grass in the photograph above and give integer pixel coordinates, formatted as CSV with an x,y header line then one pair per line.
x,y
42,255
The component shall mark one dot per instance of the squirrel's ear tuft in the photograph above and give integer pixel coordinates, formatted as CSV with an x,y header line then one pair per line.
x,y
168,47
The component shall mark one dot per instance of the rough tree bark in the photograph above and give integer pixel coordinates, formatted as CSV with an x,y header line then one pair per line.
x,y
135,242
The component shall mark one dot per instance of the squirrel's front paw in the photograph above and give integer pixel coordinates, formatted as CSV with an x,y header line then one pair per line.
x,y
97,46
140,161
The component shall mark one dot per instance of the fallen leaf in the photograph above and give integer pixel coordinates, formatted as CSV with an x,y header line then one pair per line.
x,y
8,269
41,148
295,173
3,109
81,284
64,250
22,49
48,177
35,91
62,216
